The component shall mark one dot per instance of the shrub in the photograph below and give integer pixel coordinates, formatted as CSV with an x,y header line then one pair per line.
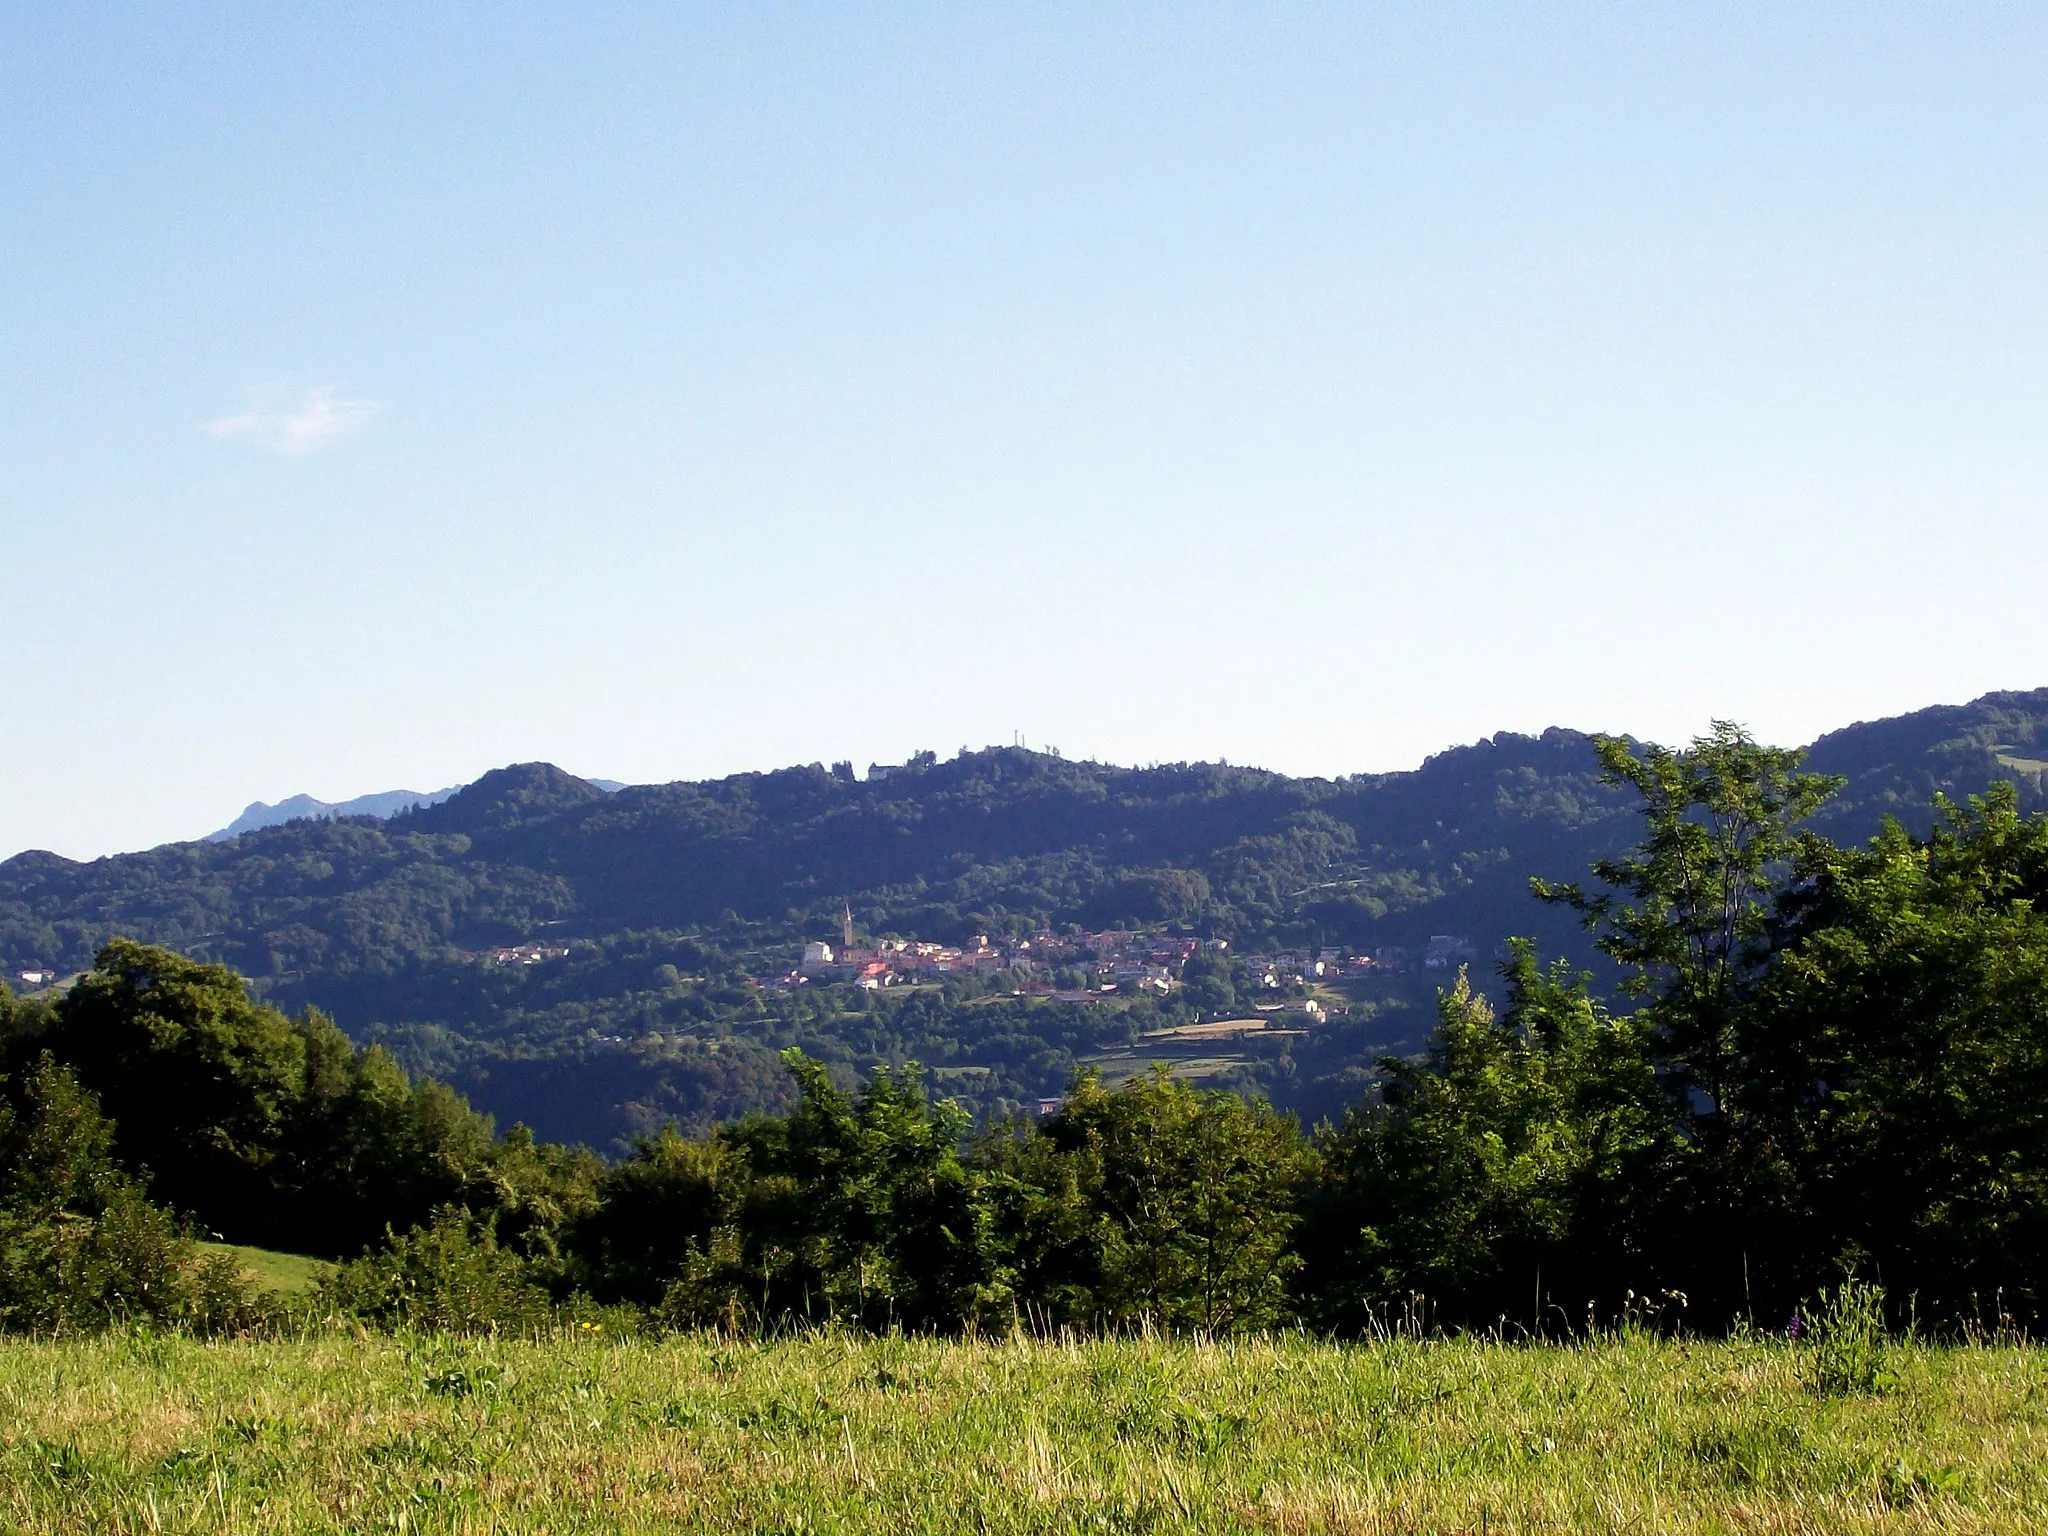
x,y
130,1263
81,1248
447,1277
1850,1342
1160,1206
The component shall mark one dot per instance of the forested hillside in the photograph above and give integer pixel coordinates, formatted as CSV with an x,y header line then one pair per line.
x,y
650,914
1823,1088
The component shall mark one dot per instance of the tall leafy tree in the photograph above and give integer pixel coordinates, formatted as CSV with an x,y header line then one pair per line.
x,y
859,1207
665,1216
1182,1203
1694,916
279,1131
1898,1062
1520,1160
1690,912
201,1081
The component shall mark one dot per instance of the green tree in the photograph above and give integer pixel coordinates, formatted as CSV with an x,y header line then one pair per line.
x,y
1190,1202
1514,1163
1897,1063
1690,912
80,1245
1206,984
279,1131
668,1215
860,1208
361,1147
200,1081
1695,916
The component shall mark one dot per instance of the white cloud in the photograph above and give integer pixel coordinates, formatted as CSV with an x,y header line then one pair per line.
x,y
320,417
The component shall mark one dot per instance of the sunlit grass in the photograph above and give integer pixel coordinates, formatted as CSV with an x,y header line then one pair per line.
x,y
287,1274
342,1433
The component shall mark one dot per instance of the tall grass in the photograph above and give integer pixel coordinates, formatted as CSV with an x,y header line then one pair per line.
x,y
831,1433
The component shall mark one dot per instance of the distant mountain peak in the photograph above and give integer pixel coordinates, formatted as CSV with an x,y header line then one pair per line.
x,y
386,803
36,861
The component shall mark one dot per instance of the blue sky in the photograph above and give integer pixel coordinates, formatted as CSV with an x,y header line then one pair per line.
x,y
394,393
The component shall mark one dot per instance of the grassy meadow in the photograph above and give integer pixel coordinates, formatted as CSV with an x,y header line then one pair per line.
x,y
282,1274
337,1432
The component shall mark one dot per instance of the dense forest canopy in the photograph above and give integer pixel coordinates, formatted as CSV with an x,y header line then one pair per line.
x,y
1824,1071
653,911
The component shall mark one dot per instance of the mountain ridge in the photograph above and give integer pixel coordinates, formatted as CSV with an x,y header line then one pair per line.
x,y
382,804
592,962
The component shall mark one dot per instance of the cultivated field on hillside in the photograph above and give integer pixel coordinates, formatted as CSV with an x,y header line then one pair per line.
x,y
335,1432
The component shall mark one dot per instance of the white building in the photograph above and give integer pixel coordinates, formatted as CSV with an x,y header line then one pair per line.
x,y
1446,950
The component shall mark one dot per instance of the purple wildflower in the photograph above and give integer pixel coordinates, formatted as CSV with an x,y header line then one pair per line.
x,y
1793,1327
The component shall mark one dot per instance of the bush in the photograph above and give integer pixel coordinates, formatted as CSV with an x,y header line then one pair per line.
x,y
447,1277
1850,1342
1153,1205
130,1263
81,1248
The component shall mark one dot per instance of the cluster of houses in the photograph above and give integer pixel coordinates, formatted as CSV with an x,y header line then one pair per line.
x,y
1445,951
1105,962
888,961
524,954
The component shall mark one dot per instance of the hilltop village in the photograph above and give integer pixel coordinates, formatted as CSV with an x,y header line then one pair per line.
x,y
1079,965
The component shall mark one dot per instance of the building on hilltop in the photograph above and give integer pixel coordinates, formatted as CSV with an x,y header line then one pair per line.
x,y
527,954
